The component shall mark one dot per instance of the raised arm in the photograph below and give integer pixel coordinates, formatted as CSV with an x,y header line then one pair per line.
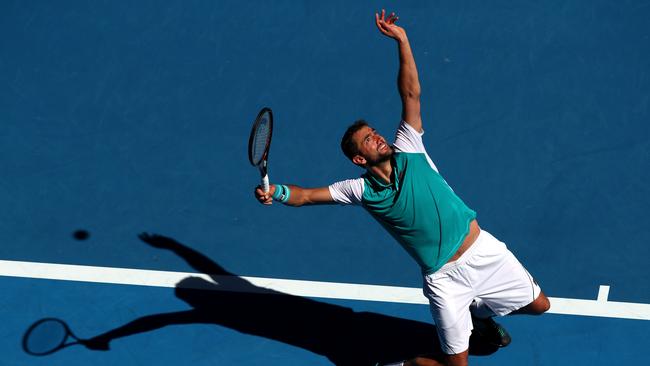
x,y
408,83
298,196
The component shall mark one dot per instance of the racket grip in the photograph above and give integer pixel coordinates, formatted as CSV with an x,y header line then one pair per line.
x,y
265,183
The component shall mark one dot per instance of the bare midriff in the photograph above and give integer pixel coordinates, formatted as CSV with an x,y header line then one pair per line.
x,y
474,230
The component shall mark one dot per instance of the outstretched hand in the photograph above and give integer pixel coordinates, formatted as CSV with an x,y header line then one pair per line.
x,y
388,27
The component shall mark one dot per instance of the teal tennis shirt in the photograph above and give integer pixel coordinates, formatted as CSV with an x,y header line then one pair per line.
x,y
419,209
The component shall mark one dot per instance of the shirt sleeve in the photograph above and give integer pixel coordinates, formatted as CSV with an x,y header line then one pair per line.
x,y
408,140
347,192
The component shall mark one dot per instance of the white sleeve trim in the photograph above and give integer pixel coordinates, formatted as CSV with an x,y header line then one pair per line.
x,y
409,140
347,192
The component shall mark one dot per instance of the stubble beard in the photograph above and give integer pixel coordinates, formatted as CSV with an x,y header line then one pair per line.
x,y
385,156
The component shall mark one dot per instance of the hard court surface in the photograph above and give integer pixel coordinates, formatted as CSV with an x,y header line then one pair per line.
x,y
119,118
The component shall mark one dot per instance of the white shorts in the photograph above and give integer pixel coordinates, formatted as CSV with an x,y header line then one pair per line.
x,y
488,272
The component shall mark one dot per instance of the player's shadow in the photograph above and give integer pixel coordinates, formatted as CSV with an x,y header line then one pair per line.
x,y
342,335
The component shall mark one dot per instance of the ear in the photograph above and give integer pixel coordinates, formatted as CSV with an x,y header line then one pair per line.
x,y
359,160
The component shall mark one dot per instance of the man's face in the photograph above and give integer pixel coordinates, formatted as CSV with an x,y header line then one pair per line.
x,y
373,148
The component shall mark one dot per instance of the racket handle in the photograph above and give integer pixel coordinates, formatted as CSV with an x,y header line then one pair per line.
x,y
265,183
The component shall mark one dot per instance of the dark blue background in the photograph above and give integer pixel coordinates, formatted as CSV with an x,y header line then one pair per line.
x,y
120,117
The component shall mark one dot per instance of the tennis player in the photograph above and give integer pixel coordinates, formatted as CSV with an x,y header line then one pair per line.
x,y
469,275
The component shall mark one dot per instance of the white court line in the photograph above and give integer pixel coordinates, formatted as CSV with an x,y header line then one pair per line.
x,y
603,293
331,290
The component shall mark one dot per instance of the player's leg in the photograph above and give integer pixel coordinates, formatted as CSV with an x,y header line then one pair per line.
x,y
423,361
459,359
537,307
490,331
503,285
485,326
420,361
449,297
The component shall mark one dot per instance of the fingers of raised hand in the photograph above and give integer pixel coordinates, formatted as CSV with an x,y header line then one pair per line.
x,y
381,17
392,18
378,20
382,26
383,14
385,25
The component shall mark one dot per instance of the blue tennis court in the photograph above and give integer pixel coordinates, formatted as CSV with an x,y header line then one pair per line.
x,y
123,118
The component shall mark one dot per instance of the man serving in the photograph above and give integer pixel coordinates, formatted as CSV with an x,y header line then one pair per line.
x,y
469,276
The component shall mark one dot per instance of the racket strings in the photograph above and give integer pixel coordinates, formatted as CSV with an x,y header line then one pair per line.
x,y
260,140
47,336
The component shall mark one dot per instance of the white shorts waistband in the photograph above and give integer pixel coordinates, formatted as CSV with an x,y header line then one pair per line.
x,y
480,239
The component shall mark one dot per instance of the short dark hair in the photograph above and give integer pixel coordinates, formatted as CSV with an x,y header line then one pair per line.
x,y
348,145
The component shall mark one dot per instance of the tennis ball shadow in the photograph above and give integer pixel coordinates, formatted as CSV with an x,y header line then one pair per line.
x,y
81,235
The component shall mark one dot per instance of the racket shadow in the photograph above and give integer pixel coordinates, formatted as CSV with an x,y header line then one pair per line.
x,y
342,335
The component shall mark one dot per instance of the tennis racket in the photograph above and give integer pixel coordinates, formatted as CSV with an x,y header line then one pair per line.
x,y
259,144
47,336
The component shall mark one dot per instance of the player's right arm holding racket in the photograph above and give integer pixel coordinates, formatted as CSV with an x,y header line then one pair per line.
x,y
297,196
409,89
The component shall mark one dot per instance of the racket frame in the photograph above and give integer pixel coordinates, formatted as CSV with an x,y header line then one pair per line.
x,y
61,345
262,165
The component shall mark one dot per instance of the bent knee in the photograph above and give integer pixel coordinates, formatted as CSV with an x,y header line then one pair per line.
x,y
541,305
460,359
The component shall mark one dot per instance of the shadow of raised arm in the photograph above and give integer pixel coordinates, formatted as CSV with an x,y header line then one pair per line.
x,y
222,279
195,259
